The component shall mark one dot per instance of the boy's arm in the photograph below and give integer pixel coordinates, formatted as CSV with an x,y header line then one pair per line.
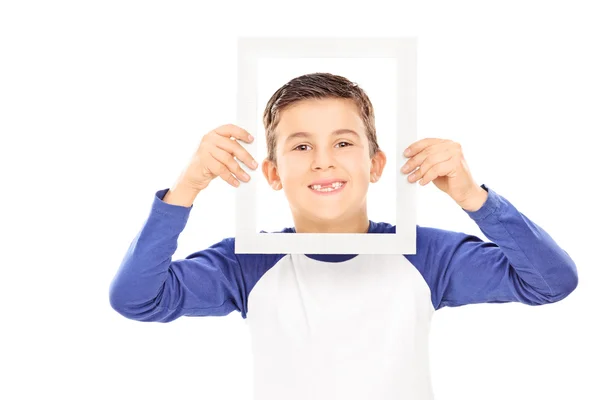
x,y
149,286
522,263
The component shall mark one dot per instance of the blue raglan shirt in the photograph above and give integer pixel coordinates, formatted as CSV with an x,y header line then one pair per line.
x,y
319,320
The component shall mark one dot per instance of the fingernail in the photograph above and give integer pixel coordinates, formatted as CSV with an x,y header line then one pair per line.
x,y
250,137
254,164
407,152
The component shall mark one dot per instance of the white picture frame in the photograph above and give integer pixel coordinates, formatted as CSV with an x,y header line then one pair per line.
x,y
248,240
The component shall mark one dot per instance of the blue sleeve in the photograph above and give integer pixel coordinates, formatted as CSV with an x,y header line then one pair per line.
x,y
149,286
520,263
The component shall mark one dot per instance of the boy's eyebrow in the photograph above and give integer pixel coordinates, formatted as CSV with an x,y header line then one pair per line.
x,y
336,132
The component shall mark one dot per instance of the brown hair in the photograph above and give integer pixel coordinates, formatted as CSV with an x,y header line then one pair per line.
x,y
317,86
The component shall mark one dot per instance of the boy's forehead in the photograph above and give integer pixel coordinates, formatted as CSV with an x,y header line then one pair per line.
x,y
319,115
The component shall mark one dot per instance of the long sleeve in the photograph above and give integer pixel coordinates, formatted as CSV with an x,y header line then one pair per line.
x,y
520,263
149,286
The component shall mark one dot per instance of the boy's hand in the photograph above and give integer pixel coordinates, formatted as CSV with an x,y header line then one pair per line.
x,y
214,157
442,162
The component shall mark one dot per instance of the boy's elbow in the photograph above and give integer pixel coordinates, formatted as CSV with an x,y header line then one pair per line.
x,y
566,285
571,276
119,303
571,282
148,312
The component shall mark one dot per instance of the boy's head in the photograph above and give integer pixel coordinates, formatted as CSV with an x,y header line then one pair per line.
x,y
309,124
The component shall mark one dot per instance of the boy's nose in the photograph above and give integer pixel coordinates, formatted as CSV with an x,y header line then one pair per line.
x,y
323,160
322,165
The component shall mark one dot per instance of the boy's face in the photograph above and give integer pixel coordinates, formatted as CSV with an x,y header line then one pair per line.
x,y
319,153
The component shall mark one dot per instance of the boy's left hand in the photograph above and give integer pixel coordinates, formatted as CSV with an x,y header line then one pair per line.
x,y
442,162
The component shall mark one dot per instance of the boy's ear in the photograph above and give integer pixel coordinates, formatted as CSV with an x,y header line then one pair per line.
x,y
377,165
269,170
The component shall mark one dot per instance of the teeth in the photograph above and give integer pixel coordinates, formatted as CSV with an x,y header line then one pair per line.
x,y
334,186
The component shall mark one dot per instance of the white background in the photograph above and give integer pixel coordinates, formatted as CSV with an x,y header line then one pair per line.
x,y
102,104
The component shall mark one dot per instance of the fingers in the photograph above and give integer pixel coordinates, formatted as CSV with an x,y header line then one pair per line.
x,y
419,159
234,131
438,146
440,169
225,166
420,145
222,139
219,169
416,160
426,162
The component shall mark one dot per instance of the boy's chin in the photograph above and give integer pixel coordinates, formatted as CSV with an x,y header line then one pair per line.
x,y
324,216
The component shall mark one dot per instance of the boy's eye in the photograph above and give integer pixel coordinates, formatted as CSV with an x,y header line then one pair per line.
x,y
305,145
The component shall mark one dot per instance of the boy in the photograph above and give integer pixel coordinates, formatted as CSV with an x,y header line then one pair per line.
x,y
336,326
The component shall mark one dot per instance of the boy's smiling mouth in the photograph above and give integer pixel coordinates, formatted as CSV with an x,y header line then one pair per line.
x,y
327,186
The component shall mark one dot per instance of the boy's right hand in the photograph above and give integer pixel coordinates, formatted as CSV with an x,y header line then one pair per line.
x,y
214,157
